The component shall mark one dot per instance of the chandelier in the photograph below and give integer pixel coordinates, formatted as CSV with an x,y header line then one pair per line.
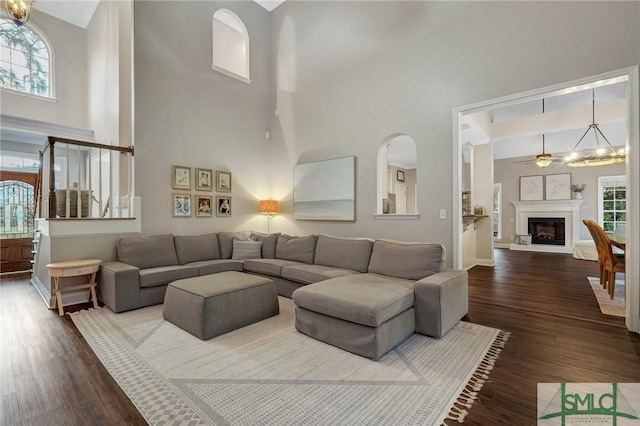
x,y
18,10
604,155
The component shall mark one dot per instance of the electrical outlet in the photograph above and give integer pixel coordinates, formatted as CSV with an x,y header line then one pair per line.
x,y
443,213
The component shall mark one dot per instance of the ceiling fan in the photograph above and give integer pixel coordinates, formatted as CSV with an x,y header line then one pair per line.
x,y
542,160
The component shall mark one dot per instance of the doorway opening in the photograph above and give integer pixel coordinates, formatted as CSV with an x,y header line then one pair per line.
x,y
631,111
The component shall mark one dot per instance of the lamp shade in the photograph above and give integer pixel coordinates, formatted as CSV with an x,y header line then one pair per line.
x,y
268,206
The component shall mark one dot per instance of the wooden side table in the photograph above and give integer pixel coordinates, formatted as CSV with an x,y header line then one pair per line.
x,y
74,268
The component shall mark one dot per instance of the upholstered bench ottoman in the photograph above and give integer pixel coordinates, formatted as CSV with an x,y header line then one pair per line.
x,y
366,314
211,305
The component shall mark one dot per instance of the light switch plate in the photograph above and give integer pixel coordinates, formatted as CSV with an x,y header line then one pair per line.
x,y
443,213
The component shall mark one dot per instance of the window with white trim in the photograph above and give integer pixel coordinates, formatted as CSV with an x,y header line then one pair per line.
x,y
25,59
497,211
612,202
230,45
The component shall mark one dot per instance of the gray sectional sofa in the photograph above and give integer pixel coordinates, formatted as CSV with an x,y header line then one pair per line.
x,y
362,295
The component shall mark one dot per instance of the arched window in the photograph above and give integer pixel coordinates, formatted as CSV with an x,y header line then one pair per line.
x,y
230,45
25,59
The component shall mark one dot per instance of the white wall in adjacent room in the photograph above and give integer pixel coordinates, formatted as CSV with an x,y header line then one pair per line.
x,y
508,173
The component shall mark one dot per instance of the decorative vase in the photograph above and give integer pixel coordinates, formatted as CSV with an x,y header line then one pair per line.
x,y
577,195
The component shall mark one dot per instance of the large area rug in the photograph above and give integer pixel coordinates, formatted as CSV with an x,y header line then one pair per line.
x,y
269,374
609,306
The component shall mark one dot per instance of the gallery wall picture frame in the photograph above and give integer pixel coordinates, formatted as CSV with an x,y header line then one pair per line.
x,y
400,175
223,205
204,179
204,206
557,186
181,177
223,181
531,188
181,205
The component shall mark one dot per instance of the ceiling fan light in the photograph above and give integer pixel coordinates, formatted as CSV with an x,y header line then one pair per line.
x,y
543,162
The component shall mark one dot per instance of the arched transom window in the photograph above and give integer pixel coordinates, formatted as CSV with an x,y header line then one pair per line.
x,y
230,45
25,60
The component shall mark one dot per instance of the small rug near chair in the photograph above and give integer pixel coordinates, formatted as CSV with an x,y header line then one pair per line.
x,y
608,306
268,373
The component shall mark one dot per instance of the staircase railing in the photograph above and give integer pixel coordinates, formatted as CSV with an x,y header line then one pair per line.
x,y
85,180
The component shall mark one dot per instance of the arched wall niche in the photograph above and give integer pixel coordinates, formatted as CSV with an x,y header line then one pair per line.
x,y
397,180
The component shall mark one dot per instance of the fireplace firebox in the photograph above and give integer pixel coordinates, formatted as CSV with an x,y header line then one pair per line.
x,y
547,230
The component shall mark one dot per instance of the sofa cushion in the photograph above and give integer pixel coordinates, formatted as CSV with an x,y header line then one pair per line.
x,y
246,250
299,249
269,242
147,251
309,274
411,261
347,253
152,277
196,248
225,242
206,267
267,266
366,299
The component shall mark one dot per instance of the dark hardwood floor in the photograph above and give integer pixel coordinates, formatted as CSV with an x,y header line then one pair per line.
x,y
50,376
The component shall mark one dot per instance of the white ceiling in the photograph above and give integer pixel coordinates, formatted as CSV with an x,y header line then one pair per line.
x,y
80,12
76,12
516,130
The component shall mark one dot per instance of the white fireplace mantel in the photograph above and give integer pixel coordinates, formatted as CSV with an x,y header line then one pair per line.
x,y
567,209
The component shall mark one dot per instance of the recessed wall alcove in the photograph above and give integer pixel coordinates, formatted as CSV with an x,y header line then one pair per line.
x,y
397,180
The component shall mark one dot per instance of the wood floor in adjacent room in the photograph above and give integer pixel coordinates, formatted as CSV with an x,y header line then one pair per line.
x,y
50,376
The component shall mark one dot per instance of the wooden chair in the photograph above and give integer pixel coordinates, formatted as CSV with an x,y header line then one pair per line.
x,y
612,263
599,248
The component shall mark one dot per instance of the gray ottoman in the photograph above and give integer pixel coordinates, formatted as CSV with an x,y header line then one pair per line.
x,y
210,305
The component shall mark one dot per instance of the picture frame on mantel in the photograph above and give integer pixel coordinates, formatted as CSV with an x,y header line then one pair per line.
x,y
531,188
558,186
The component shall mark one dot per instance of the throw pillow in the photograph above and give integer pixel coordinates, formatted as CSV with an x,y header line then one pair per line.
x,y
246,249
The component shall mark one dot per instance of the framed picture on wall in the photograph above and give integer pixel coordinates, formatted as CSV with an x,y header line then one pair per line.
x,y
223,181
399,175
223,206
203,203
204,179
531,188
181,205
181,177
558,187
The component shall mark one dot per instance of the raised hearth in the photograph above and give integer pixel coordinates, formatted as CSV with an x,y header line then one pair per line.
x,y
568,210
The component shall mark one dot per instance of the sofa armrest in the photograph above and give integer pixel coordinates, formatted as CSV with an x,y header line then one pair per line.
x,y
119,286
441,300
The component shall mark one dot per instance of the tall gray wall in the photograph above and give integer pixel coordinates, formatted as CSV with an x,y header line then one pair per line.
x,y
189,115
349,74
333,79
